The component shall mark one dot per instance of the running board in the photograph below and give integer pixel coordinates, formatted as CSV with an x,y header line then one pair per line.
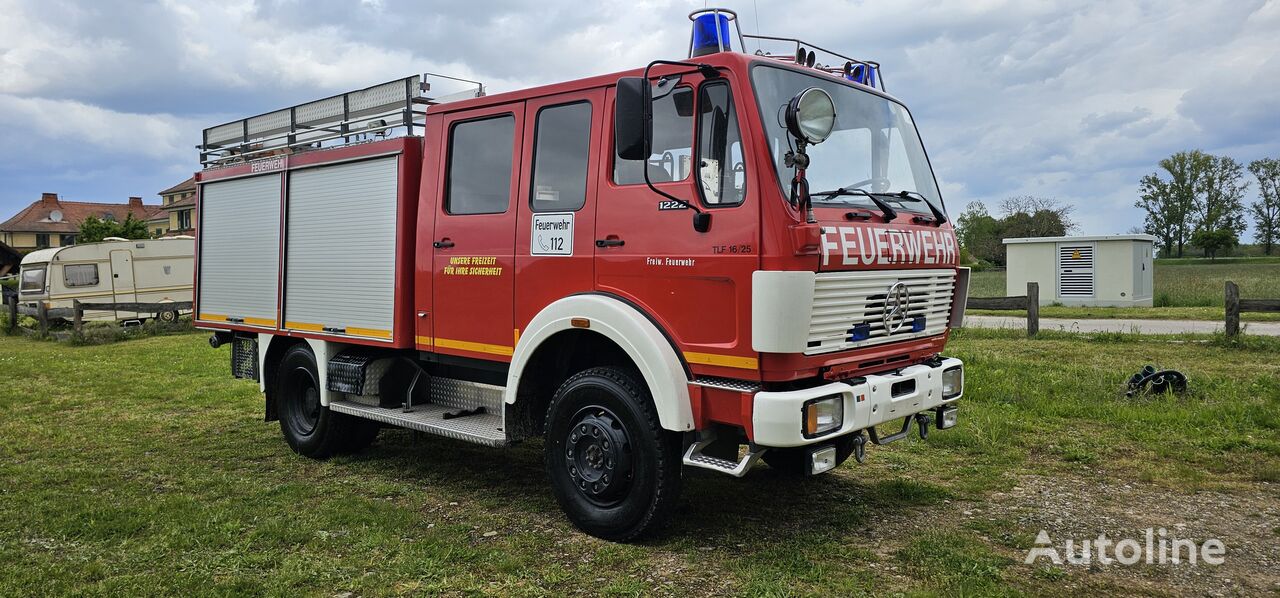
x,y
694,458
481,428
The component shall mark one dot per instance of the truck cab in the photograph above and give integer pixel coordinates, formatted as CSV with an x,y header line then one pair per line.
x,y
703,263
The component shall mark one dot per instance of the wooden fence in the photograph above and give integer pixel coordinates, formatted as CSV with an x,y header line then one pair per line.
x,y
44,314
1236,305
1030,302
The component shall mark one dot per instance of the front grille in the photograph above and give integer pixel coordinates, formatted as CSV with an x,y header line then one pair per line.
x,y
848,307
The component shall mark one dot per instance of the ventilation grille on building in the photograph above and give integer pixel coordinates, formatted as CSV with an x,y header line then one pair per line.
x,y
1075,270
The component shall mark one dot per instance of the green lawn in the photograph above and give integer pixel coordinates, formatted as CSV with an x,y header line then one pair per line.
x,y
1184,289
143,468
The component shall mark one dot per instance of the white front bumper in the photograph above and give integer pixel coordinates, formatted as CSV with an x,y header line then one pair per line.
x,y
777,417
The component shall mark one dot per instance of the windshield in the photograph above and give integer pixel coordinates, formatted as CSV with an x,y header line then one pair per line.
x,y
874,146
32,280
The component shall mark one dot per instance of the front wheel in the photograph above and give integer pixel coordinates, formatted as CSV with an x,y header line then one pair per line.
x,y
613,469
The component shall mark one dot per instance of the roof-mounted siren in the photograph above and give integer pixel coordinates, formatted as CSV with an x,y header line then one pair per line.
x,y
861,72
711,31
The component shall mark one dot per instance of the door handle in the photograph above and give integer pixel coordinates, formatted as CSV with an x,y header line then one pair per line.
x,y
610,241
442,243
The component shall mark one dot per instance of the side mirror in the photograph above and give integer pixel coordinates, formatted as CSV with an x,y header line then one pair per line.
x,y
632,118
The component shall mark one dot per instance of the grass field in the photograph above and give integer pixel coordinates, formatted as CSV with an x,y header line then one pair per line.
x,y
142,468
1189,289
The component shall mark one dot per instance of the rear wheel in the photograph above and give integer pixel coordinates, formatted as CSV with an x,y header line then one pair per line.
x,y
309,428
613,469
168,317
793,461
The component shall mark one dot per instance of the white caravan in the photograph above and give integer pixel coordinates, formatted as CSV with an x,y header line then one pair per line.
x,y
112,271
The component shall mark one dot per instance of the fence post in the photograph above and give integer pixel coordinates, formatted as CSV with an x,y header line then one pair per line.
x,y
42,312
1233,309
13,313
1033,308
77,318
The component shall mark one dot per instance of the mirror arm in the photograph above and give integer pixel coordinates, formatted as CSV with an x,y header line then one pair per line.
x,y
701,220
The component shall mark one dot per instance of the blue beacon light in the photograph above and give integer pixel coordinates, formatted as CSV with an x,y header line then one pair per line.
x,y
710,31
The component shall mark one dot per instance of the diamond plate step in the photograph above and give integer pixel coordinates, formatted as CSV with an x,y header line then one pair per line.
x,y
485,428
694,458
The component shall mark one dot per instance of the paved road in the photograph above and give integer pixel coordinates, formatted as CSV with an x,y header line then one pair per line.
x,y
1118,325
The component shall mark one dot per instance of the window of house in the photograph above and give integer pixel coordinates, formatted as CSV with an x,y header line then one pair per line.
x,y
80,275
65,240
42,240
480,153
721,171
184,219
672,145
563,138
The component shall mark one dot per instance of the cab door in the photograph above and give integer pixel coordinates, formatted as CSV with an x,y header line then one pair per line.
x,y
555,235
696,284
473,265
122,284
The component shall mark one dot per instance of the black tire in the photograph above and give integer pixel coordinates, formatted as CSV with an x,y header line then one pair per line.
x,y
791,461
168,317
310,429
613,469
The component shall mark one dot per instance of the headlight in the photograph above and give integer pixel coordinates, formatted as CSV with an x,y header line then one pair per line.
x,y
811,115
952,382
823,415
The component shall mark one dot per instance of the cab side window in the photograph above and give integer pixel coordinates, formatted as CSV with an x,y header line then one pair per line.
x,y
480,153
672,147
562,141
721,171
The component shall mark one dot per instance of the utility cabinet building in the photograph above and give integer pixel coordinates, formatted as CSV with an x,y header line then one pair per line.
x,y
1112,271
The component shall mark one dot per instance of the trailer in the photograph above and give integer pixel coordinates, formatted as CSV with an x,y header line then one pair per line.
x,y
734,258
111,271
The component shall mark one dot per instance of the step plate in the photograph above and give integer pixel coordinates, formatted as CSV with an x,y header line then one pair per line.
x,y
483,429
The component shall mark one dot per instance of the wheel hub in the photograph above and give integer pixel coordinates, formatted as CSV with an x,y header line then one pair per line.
x,y
597,454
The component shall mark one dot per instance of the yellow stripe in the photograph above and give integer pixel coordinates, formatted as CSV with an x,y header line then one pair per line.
x,y
477,347
424,340
309,327
729,361
373,332
206,317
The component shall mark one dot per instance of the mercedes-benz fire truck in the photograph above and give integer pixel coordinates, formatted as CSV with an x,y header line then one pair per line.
x,y
703,263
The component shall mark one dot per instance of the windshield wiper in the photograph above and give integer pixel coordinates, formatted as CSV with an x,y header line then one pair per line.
x,y
938,214
888,211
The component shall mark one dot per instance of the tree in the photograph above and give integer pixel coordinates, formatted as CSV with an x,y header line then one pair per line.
x,y
1030,216
1222,206
95,229
1023,216
1215,240
1171,205
978,232
1266,211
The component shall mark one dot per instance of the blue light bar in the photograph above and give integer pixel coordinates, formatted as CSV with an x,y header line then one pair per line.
x,y
710,33
860,73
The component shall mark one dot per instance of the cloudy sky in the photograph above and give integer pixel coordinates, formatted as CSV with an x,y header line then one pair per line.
x,y
1074,99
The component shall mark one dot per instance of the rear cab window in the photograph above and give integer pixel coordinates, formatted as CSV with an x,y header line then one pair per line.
x,y
560,158
477,150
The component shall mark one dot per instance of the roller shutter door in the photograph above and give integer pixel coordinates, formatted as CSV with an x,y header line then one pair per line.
x,y
240,250
340,252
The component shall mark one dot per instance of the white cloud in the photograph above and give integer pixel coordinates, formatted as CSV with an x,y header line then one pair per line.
x,y
1074,99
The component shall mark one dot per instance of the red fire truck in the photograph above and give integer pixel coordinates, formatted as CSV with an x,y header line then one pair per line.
x,y
706,262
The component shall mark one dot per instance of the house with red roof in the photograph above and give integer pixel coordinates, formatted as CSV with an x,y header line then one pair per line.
x,y
55,222
178,204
